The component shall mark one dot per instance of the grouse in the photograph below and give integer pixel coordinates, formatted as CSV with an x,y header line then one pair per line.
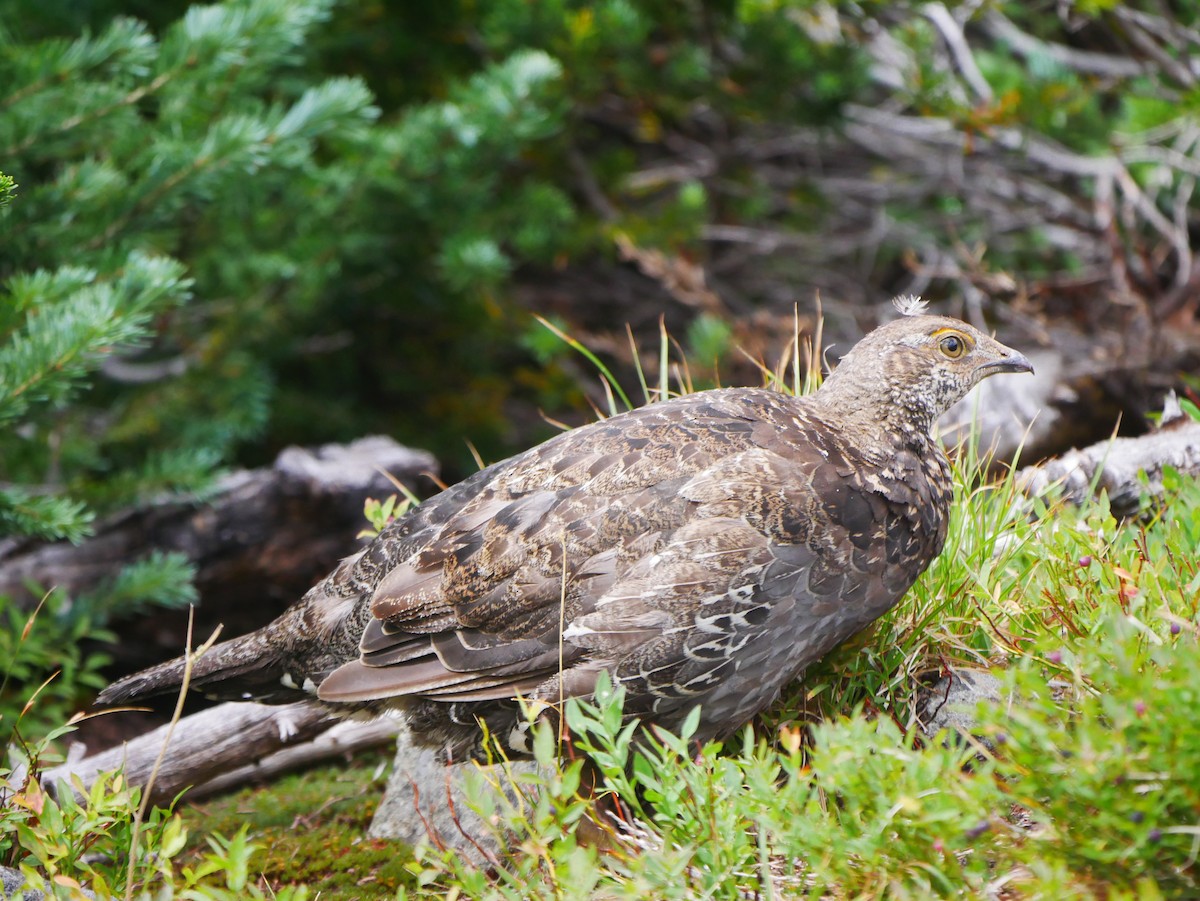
x,y
702,551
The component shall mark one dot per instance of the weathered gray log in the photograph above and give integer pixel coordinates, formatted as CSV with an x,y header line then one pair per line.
x,y
342,739
258,541
273,526
203,746
234,744
1116,466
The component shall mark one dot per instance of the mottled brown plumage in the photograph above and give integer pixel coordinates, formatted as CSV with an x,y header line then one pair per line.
x,y
703,550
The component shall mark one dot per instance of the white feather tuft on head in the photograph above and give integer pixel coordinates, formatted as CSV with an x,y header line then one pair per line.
x,y
909,304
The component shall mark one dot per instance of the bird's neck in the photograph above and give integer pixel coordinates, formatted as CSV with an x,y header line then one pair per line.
x,y
879,410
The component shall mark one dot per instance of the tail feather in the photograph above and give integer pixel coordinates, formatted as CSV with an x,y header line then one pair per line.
x,y
242,669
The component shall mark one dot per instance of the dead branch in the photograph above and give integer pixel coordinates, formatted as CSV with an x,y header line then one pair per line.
x,y
960,50
343,739
1086,62
258,542
1125,469
205,745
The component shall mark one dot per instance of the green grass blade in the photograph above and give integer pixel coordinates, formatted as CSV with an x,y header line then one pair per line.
x,y
591,358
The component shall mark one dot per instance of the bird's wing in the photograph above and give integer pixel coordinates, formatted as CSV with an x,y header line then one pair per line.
x,y
470,593
779,563
665,541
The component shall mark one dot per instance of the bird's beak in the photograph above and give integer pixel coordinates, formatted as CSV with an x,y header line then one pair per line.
x,y
1009,361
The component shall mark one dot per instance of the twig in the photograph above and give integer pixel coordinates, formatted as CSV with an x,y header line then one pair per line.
x,y
1140,38
1083,61
960,50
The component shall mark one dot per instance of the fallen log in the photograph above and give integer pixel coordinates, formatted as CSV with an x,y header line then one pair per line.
x,y
1125,468
259,525
258,541
225,747
341,740
202,746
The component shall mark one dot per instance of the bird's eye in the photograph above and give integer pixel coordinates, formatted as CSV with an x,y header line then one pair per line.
x,y
953,346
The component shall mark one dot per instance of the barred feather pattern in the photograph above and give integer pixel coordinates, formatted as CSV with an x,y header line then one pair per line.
x,y
702,551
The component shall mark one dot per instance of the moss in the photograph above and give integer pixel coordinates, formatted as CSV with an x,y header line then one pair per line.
x,y
312,829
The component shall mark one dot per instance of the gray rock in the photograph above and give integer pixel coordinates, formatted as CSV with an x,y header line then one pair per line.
x,y
425,801
951,702
12,887
11,882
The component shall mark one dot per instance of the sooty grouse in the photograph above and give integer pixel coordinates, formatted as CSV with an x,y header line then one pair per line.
x,y
704,550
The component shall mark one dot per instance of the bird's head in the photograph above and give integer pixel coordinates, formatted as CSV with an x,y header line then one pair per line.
x,y
907,373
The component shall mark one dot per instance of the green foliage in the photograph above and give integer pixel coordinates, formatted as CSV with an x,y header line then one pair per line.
x,y
154,169
353,259
709,339
460,151
1108,771
46,669
1049,98
50,662
602,46
509,171
178,194
75,838
41,516
379,514
352,253
70,321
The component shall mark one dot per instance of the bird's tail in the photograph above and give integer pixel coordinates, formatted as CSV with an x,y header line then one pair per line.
x,y
242,669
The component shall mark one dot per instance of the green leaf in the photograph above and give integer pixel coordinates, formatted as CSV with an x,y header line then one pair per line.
x,y
43,516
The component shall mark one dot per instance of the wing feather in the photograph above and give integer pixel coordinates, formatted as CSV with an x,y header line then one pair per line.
x,y
678,531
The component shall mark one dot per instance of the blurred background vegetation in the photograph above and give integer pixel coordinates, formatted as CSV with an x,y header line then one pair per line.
x,y
264,222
